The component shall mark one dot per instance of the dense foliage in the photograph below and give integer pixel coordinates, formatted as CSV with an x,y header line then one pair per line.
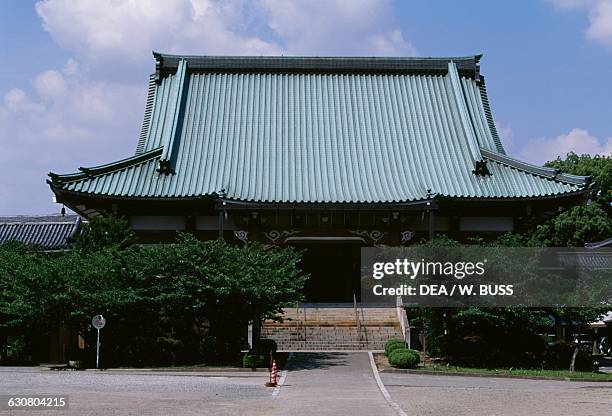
x,y
495,337
582,223
599,168
501,337
104,232
170,304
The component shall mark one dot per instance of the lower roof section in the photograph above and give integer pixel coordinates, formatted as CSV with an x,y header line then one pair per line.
x,y
50,232
396,179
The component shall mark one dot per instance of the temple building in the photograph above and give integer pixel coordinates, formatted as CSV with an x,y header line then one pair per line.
x,y
329,154
50,234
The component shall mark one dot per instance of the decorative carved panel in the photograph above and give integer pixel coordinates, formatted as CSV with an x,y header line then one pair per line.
x,y
279,236
242,235
407,236
372,236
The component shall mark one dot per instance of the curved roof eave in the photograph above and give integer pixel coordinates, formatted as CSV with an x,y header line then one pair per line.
x,y
108,167
543,171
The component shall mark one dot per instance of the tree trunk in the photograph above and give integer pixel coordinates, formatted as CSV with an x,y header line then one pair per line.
x,y
574,355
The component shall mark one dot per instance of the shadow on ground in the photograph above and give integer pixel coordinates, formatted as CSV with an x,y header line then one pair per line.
x,y
316,360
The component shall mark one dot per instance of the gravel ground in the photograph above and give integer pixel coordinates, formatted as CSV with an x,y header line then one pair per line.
x,y
100,393
458,396
316,384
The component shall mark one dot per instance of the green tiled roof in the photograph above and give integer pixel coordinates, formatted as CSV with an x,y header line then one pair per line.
x,y
313,130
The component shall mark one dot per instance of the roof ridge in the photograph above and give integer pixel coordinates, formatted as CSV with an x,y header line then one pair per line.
x,y
330,57
171,141
146,121
464,117
168,63
486,106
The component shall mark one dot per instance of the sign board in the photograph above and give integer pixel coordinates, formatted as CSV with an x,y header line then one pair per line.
x,y
98,321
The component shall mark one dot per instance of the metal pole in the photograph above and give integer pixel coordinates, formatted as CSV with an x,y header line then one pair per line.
x,y
98,351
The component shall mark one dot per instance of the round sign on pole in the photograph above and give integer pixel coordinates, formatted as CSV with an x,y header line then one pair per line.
x,y
98,321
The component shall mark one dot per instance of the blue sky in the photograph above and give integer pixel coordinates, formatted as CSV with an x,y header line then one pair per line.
x,y
74,72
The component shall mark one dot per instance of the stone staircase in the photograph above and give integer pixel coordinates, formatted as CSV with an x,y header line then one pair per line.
x,y
324,327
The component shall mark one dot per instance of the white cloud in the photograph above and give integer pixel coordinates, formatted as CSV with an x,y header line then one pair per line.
x,y
130,29
505,134
89,111
66,121
341,27
571,4
50,84
578,140
600,17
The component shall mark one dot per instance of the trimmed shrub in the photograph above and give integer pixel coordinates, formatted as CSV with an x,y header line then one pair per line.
x,y
404,358
250,360
393,344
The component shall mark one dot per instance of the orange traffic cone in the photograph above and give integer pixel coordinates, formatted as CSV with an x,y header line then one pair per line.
x,y
273,375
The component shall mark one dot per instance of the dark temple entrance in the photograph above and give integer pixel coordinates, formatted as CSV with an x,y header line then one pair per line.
x,y
334,270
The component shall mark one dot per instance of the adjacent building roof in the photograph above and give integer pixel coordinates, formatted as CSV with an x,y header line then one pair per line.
x,y
50,232
318,130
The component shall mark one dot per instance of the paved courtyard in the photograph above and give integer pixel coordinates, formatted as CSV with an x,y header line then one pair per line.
x,y
106,393
458,396
316,384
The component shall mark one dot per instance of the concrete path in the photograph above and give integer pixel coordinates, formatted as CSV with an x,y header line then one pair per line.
x,y
330,384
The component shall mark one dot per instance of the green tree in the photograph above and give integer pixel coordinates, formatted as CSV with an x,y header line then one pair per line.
x,y
102,232
581,223
493,337
170,304
599,168
574,227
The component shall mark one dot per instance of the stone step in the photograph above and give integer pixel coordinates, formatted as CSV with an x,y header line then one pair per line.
x,y
333,328
299,324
